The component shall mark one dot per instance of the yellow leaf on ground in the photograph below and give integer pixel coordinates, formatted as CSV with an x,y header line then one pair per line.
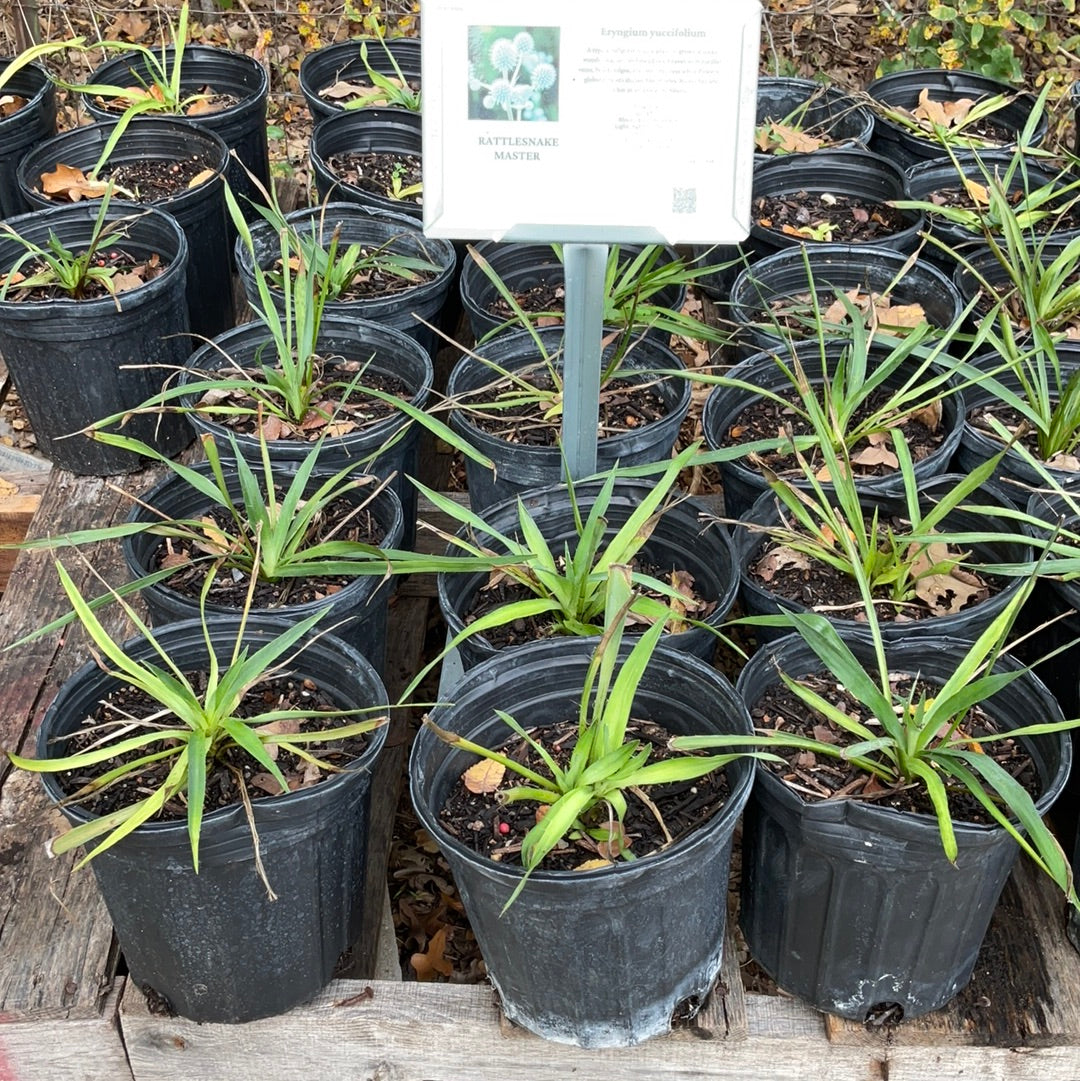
x,y
483,777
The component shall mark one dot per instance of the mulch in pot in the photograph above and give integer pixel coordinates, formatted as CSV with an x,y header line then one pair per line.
x,y
768,419
840,219
818,777
377,170
480,820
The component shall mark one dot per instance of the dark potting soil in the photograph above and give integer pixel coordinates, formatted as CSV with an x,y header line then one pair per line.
x,y
824,588
229,773
341,521
152,180
544,297
815,776
625,405
338,411
501,590
767,419
841,219
490,827
126,272
379,172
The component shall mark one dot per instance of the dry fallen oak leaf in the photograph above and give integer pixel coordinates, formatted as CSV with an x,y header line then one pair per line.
x,y
945,114
433,960
483,777
780,558
72,182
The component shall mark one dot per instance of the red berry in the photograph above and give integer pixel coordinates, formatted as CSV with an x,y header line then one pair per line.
x,y
504,828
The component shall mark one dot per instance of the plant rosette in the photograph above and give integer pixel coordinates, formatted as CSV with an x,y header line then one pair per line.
x,y
565,553
873,385
924,587
853,905
255,925
566,955
363,514
506,404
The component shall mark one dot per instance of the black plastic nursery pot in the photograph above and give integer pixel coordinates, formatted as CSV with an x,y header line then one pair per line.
x,y
23,129
681,540
518,467
213,943
200,210
825,112
742,483
75,362
357,611
599,958
927,178
1014,476
852,173
241,126
749,543
901,89
341,62
851,906
522,267
389,446
785,277
374,230
365,131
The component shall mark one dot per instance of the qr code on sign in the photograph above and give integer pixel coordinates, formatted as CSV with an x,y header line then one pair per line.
x,y
683,200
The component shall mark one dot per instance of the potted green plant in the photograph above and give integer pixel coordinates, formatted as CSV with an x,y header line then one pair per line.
x,y
157,162
801,116
361,74
222,799
868,883
512,286
562,540
213,88
505,402
563,945
853,394
92,302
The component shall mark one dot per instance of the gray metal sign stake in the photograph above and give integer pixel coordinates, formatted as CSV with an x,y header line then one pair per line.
x,y
583,266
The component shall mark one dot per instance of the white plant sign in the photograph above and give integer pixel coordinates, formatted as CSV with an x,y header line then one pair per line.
x,y
590,121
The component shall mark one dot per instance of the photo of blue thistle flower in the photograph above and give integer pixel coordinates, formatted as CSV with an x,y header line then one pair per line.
x,y
513,73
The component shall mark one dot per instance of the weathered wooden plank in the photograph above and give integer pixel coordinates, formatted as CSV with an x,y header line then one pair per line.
x,y
425,1032
1025,991
86,1050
